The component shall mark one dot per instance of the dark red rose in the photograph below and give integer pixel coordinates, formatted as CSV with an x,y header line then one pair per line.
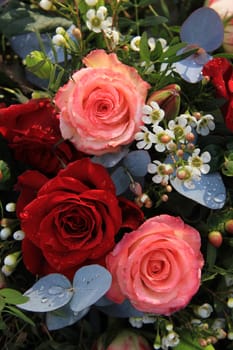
x,y
32,131
220,71
73,218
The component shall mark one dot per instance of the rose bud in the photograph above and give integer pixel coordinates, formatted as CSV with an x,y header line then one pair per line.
x,y
225,10
229,226
168,99
215,238
38,64
125,340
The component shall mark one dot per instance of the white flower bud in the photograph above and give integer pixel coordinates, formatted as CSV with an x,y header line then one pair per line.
x,y
60,30
46,5
230,302
136,322
59,40
10,260
204,310
5,233
91,2
7,270
18,235
10,207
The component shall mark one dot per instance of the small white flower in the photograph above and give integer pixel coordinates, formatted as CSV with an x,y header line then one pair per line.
x,y
162,171
163,137
152,114
200,161
180,128
91,2
97,21
187,175
190,120
171,340
113,35
145,138
135,43
205,124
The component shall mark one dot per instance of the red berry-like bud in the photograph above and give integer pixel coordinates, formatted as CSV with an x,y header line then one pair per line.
x,y
215,238
229,226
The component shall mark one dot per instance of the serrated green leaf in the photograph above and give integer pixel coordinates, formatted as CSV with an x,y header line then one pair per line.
x,y
12,296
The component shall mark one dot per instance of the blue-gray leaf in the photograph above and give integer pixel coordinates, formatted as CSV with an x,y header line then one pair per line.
x,y
120,179
63,317
136,162
90,284
209,191
109,160
49,293
123,310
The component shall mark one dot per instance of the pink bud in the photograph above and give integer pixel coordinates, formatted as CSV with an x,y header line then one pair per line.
x,y
215,238
168,99
125,340
229,226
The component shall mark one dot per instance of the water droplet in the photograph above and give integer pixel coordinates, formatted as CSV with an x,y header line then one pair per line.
x,y
44,300
83,279
42,288
219,198
55,290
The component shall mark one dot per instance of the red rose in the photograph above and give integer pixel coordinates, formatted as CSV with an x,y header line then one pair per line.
x,y
73,219
32,131
220,70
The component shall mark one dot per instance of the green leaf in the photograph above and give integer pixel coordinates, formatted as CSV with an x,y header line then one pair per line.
x,y
16,312
2,304
211,255
12,296
144,48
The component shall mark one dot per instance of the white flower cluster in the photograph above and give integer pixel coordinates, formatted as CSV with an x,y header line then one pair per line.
x,y
176,139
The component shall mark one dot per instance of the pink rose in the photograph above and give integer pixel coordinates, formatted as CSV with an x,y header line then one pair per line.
x,y
157,267
101,105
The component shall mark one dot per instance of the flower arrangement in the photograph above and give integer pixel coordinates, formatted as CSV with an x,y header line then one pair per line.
x,y
116,122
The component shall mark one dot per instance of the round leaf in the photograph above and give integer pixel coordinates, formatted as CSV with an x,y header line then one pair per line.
x,y
49,293
204,28
136,162
63,317
208,191
90,284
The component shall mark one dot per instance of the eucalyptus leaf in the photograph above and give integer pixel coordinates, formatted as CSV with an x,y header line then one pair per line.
x,y
49,293
109,160
123,310
90,283
209,191
121,180
136,162
63,317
